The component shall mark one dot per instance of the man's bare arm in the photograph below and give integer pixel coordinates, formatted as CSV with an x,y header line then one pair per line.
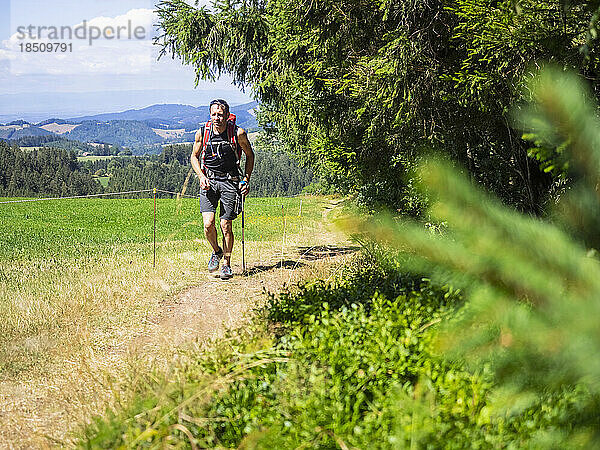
x,y
196,149
247,149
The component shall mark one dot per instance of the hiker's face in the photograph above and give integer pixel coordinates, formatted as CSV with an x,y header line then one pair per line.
x,y
217,115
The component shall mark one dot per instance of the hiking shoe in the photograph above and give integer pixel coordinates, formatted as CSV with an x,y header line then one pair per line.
x,y
215,259
226,272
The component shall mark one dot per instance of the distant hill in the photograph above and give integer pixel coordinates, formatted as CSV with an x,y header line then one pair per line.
x,y
122,132
6,132
29,131
19,129
174,116
165,112
140,129
49,121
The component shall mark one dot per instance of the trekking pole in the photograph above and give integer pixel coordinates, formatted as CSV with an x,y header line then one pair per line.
x,y
243,249
243,243
283,241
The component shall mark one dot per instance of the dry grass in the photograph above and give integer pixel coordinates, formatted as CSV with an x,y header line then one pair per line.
x,y
76,323
86,328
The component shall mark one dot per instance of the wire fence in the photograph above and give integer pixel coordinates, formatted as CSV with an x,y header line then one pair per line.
x,y
109,194
76,196
270,201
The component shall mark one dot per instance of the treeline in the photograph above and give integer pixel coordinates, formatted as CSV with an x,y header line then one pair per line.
x,y
80,148
122,132
57,172
275,172
54,142
167,171
45,171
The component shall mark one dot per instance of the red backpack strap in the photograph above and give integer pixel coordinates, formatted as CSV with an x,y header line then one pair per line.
x,y
205,139
232,135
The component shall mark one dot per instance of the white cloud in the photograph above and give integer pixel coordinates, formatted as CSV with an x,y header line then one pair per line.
x,y
7,55
107,65
129,51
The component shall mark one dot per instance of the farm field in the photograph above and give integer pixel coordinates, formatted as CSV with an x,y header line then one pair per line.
x,y
93,158
85,227
77,276
103,181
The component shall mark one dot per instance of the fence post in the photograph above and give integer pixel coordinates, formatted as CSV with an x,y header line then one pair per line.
x,y
283,240
154,193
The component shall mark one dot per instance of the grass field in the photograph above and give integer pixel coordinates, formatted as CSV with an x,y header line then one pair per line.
x,y
80,227
103,181
75,271
93,158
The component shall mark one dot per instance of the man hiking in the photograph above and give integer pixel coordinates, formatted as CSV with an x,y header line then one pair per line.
x,y
215,159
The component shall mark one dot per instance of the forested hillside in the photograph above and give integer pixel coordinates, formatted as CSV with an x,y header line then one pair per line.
x,y
121,132
45,171
53,141
20,132
55,171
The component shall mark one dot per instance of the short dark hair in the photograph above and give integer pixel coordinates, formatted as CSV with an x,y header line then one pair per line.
x,y
220,102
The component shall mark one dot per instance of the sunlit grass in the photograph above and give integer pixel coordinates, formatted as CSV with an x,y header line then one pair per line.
x,y
74,228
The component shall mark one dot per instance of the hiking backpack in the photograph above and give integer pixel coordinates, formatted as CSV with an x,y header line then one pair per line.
x,y
231,138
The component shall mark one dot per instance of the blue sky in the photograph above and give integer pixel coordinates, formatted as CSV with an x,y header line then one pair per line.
x,y
112,67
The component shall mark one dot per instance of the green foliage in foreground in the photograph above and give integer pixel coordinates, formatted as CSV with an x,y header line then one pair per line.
x,y
350,366
534,287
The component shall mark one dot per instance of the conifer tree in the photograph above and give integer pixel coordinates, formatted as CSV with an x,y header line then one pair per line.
x,y
533,287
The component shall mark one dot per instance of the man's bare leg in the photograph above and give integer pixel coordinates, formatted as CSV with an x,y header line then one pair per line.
x,y
210,230
227,230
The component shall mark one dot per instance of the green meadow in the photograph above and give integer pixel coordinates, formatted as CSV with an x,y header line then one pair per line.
x,y
70,228
94,158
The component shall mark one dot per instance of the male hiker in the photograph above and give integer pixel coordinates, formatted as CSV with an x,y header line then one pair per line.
x,y
215,159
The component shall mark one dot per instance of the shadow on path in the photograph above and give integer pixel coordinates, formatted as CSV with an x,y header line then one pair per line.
x,y
325,251
306,253
286,264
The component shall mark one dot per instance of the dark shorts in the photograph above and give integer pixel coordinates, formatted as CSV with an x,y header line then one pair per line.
x,y
227,192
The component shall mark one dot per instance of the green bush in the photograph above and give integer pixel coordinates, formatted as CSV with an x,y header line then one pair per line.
x,y
350,366
533,286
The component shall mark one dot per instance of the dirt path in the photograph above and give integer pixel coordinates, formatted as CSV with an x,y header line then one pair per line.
x,y
204,311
